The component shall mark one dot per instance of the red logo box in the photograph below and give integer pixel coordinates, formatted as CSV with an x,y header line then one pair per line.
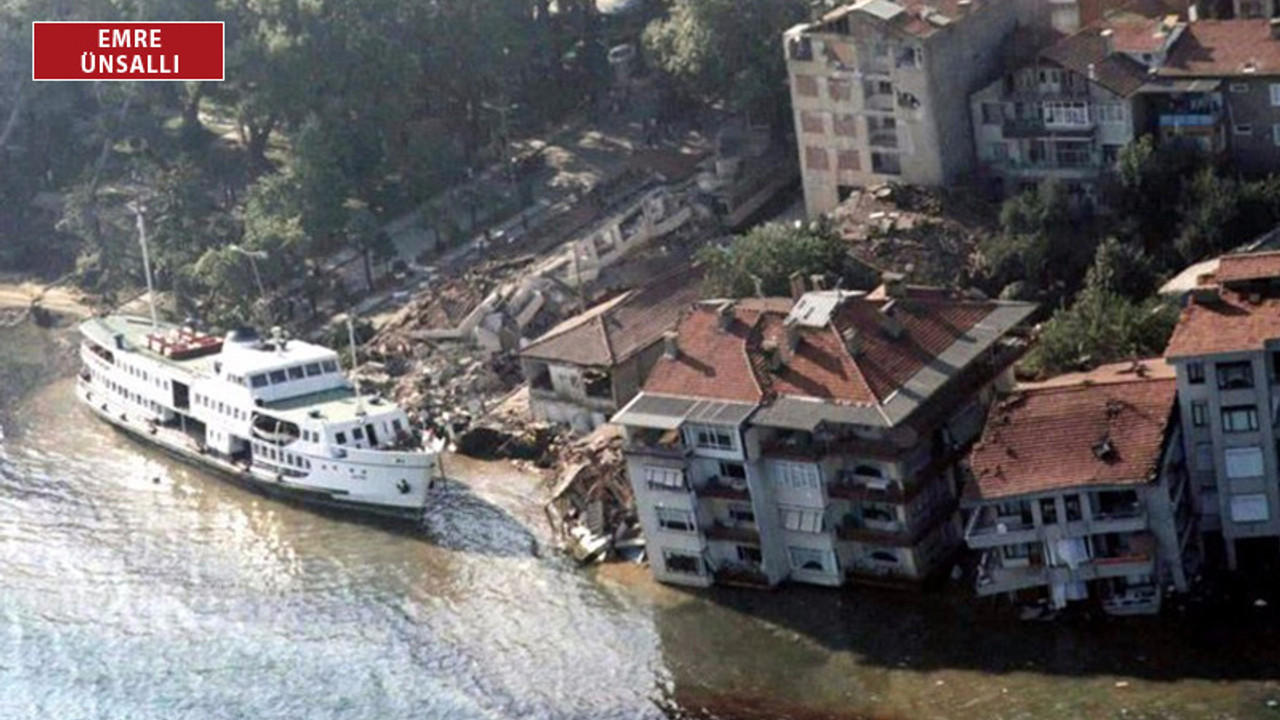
x,y
127,51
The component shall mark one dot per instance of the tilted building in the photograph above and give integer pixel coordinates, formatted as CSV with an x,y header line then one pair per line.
x,y
1226,348
1079,489
814,439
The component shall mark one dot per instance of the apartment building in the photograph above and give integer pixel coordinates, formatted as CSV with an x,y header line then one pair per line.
x,y
814,439
1226,348
1079,490
1066,115
880,91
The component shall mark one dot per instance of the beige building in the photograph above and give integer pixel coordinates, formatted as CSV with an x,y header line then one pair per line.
x,y
880,91
1079,491
814,439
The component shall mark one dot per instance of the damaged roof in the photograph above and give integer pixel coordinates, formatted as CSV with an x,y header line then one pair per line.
x,y
1087,49
1217,48
1101,428
844,357
615,330
1219,318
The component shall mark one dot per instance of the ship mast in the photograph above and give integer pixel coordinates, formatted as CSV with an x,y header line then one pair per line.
x,y
146,263
355,377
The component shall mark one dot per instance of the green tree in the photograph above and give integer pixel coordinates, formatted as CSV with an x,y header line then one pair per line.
x,y
727,51
771,253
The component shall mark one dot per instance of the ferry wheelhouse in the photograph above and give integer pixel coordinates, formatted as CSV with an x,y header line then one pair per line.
x,y
274,413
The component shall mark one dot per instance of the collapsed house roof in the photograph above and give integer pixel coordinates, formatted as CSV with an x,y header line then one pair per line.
x,y
615,330
1101,428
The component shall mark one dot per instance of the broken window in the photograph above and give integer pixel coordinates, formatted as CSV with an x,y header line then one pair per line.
x,y
539,376
682,563
598,384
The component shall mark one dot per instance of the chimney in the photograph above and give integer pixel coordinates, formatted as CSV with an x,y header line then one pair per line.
x,y
888,323
724,316
852,340
1193,13
1275,28
792,336
1093,72
772,355
1108,42
671,344
964,7
818,281
797,285
892,281
1204,295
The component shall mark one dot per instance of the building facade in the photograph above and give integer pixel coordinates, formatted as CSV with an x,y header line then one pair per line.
x,y
1079,490
814,439
1226,348
880,91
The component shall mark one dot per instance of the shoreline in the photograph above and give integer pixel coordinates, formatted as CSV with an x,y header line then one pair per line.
x,y
19,294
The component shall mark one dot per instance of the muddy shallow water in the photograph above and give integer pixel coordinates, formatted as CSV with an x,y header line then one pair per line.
x,y
132,586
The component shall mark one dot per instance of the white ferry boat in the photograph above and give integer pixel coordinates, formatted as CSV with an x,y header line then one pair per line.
x,y
274,414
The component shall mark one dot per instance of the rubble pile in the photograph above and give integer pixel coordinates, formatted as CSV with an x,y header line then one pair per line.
x,y
921,232
592,509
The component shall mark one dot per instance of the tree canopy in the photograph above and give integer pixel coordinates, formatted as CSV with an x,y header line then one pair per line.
x,y
763,260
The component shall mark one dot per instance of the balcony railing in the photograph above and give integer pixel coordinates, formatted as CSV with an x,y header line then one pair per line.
x,y
718,488
883,139
733,533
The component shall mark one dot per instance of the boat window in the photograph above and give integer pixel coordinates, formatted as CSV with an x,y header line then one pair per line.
x,y
277,377
330,366
341,438
313,369
397,426
259,381
357,434
296,373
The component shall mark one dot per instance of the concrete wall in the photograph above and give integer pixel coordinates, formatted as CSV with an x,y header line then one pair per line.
x,y
1248,102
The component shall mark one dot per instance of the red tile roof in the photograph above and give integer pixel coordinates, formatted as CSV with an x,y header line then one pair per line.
x,y
1047,436
1244,267
1118,73
1231,322
617,329
731,365
1216,48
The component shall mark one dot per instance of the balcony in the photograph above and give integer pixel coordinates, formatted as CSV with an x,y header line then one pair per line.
x,y
997,575
742,574
1132,563
1039,127
734,533
723,489
850,486
657,443
887,139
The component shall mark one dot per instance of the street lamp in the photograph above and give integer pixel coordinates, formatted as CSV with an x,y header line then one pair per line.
x,y
254,256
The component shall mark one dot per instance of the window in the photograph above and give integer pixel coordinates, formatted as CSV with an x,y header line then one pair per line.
x,y
1111,112
992,113
1195,373
997,151
806,86
258,381
866,470
742,514
733,470
1242,418
1072,505
313,369
1234,376
330,366
811,122
357,433
1244,462
675,519
800,48
681,563
848,160
750,554
340,438
277,377
1239,87
840,89
802,520
1048,511
811,560
712,438
844,125
884,557
297,373
1204,457
1275,94
664,478
1243,129
1066,113
815,158
1199,412
1250,508
795,475
1275,134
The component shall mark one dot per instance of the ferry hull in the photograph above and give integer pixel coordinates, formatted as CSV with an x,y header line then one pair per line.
x,y
312,497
